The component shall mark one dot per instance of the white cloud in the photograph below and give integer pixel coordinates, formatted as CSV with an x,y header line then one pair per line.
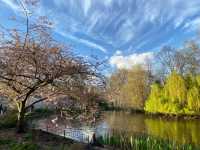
x,y
83,41
127,62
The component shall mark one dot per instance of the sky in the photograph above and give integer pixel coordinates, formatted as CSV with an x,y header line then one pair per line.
x,y
125,32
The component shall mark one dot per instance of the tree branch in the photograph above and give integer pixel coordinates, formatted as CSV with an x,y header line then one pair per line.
x,y
40,100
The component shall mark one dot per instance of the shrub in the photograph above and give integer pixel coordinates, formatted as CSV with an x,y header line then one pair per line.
x,y
8,120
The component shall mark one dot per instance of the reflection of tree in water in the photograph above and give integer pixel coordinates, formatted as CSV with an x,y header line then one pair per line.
x,y
125,121
181,131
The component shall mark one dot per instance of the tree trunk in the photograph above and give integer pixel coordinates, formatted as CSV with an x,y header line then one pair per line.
x,y
21,115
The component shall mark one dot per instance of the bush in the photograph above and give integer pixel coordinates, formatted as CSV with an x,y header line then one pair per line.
x,y
8,120
39,113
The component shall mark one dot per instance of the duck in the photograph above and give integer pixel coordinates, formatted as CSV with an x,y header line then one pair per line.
x,y
54,120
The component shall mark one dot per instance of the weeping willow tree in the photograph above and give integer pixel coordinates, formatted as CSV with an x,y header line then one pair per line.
x,y
193,98
175,88
179,95
153,104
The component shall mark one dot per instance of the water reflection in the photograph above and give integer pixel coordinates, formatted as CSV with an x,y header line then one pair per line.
x,y
182,131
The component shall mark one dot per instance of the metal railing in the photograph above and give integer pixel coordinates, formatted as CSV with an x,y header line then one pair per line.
x,y
78,134
81,135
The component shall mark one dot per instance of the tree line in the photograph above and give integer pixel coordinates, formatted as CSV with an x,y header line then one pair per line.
x,y
170,85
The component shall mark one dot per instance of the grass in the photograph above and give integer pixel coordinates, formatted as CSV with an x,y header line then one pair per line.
x,y
11,143
33,140
125,142
14,145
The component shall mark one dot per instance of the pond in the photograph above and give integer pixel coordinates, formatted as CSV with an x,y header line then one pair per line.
x,y
181,131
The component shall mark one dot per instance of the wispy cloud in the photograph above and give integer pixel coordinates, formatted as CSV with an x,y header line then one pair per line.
x,y
83,41
11,3
133,25
192,25
92,44
86,5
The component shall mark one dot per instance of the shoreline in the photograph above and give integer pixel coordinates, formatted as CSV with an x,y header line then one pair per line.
x,y
157,115
36,139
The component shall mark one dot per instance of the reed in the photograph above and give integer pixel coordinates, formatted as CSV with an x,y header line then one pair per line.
x,y
142,142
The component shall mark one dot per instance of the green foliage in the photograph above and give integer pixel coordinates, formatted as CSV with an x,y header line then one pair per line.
x,y
8,120
126,142
14,145
193,98
40,113
179,95
24,146
154,102
175,88
105,106
198,80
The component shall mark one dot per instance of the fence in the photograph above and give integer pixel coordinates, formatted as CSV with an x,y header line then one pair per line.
x,y
78,134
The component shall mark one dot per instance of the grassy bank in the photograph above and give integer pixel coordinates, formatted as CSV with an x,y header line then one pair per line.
x,y
34,140
125,142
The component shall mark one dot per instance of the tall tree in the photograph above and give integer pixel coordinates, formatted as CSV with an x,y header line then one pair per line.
x,y
115,85
138,87
175,88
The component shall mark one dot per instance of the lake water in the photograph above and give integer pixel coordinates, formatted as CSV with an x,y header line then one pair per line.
x,y
181,131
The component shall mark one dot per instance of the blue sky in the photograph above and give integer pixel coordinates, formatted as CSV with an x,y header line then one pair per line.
x,y
123,31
